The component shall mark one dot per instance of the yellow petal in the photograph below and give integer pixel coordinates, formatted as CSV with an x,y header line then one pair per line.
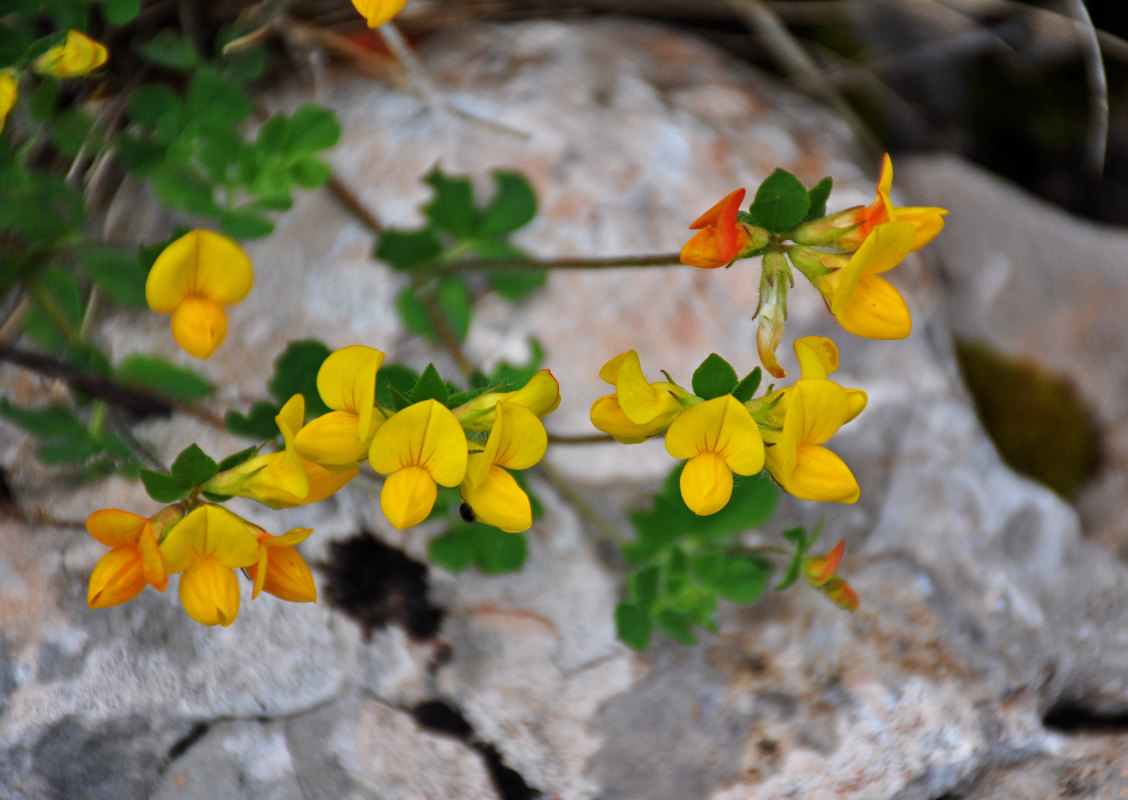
x,y
209,592
876,311
640,400
818,356
115,528
541,394
609,372
152,565
332,440
325,482
116,579
820,475
77,55
721,426
200,262
408,496
199,326
498,500
425,435
346,381
928,222
817,410
209,531
377,12
706,483
9,90
607,415
287,576
885,247
518,439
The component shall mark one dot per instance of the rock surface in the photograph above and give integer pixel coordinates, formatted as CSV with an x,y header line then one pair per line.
x,y
983,608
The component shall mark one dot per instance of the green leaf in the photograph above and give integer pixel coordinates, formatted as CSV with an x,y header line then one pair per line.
x,y
707,568
246,65
409,249
157,375
394,377
295,372
43,99
57,293
781,202
273,134
494,552
259,424
745,578
514,284
752,504
714,378
452,208
454,301
513,206
242,224
169,49
70,129
149,102
454,551
818,196
309,172
68,449
643,586
120,12
139,154
235,459
430,386
117,273
162,487
213,100
42,422
218,151
181,187
676,625
632,626
312,128
747,386
193,466
802,542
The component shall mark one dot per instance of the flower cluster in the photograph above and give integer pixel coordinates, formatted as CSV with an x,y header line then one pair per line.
x,y
842,254
75,56
419,445
784,431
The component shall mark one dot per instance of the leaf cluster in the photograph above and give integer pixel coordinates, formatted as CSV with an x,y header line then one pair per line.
x,y
782,203
457,227
191,468
683,564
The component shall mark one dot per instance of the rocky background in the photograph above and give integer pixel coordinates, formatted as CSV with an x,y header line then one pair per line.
x,y
990,654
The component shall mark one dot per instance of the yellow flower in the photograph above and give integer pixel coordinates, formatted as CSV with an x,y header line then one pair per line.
x,y
517,441
77,55
377,12
194,278
864,302
796,420
208,545
638,409
541,395
719,437
283,479
346,381
849,229
417,448
134,561
9,90
280,570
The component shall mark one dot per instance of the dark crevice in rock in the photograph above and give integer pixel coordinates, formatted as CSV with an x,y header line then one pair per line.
x,y
7,499
1072,717
440,717
378,585
182,745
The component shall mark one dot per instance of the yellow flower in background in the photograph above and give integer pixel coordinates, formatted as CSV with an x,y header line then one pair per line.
x,y
193,279
346,381
77,55
134,561
417,448
517,441
208,545
719,437
638,409
377,12
280,570
9,90
282,479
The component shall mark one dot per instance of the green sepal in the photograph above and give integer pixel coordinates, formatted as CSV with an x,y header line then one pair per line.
x,y
395,381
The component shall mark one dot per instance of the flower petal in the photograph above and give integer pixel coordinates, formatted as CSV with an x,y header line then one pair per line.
x,y
346,381
883,249
706,483
425,435
876,311
820,475
288,576
200,262
115,528
518,440
498,500
541,394
116,579
408,496
9,90
199,326
209,592
607,415
332,440
77,55
377,12
642,401
721,426
818,356
209,531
